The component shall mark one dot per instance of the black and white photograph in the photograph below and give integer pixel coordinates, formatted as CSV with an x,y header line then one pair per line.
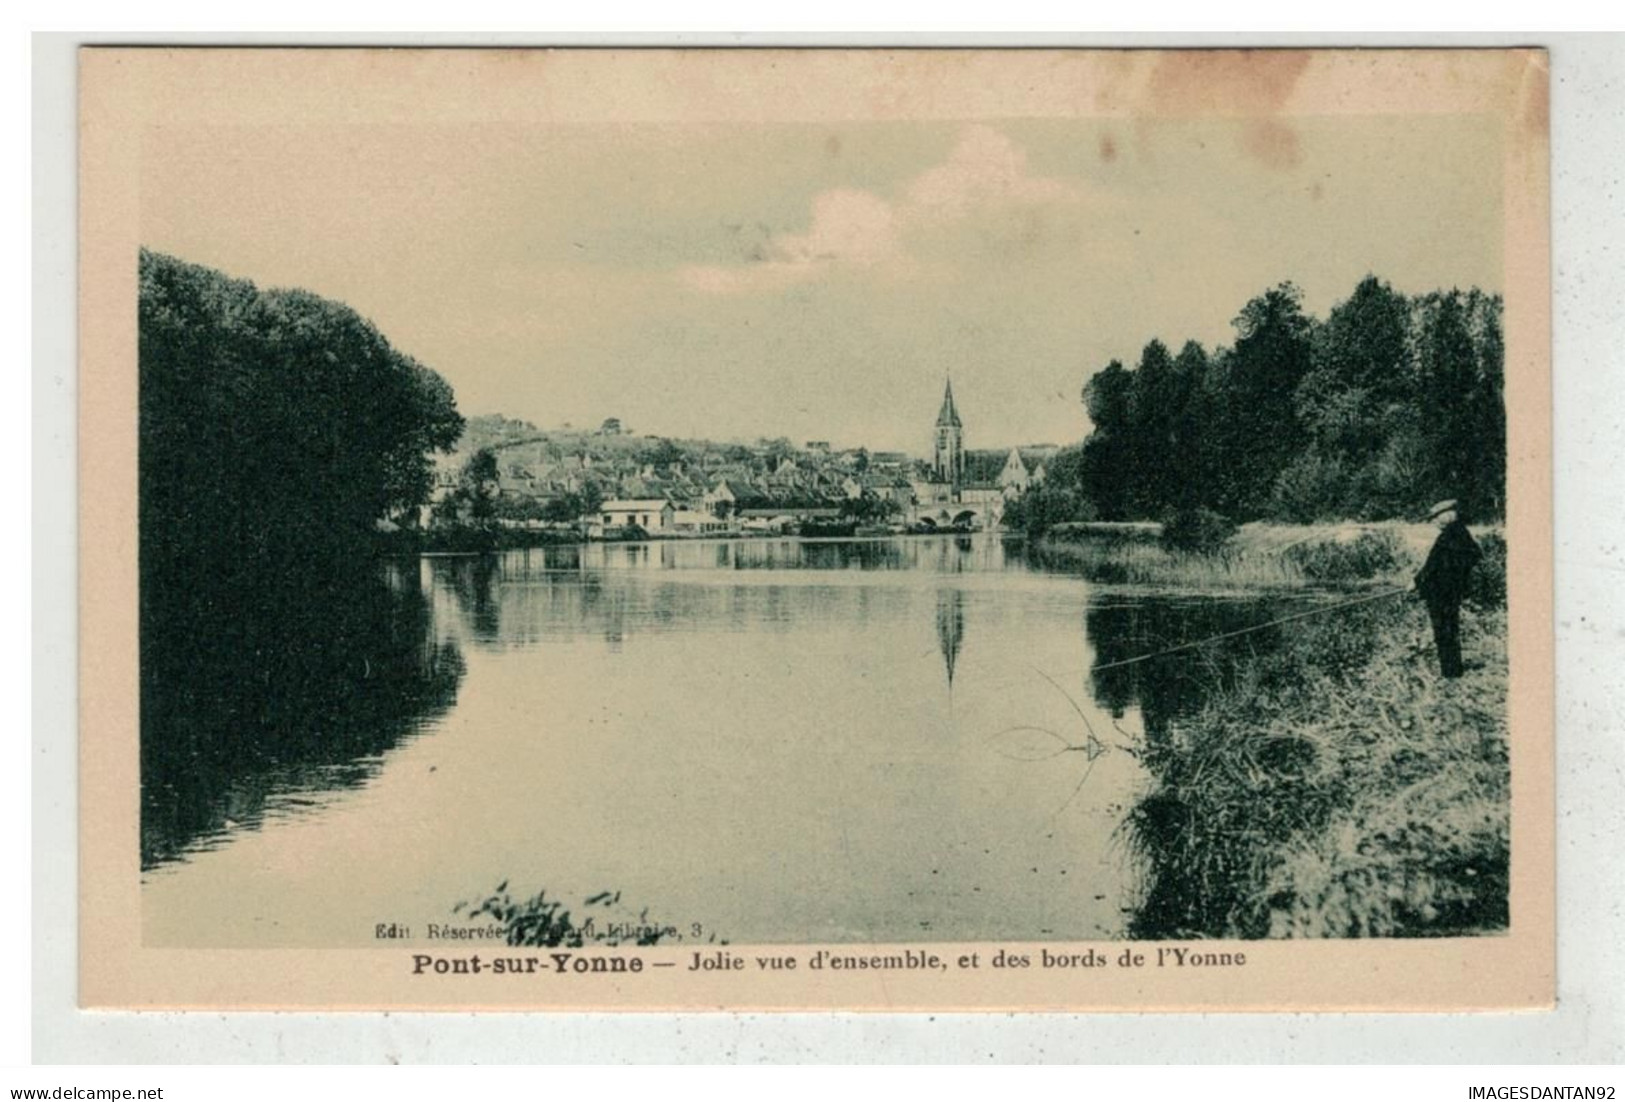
x,y
849,539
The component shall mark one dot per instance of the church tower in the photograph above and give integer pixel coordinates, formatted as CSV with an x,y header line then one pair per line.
x,y
949,463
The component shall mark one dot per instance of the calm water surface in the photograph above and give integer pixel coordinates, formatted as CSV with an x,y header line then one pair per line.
x,y
760,741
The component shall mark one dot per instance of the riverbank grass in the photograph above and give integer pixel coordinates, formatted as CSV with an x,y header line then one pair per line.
x,y
1259,557
1339,788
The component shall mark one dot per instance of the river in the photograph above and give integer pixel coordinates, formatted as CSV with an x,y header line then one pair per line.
x,y
763,741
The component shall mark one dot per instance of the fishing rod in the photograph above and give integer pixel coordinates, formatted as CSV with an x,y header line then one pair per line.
x,y
1247,631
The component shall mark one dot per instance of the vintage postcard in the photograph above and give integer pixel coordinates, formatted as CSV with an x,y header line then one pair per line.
x,y
833,529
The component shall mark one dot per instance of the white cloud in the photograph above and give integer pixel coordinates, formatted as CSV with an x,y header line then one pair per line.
x,y
984,168
854,229
854,226
849,226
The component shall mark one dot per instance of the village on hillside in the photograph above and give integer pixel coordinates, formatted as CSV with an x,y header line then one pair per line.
x,y
609,483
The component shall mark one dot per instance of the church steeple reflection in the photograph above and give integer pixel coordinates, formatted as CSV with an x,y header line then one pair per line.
x,y
950,627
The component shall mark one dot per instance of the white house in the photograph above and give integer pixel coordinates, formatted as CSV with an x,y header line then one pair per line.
x,y
1014,478
700,521
651,514
719,498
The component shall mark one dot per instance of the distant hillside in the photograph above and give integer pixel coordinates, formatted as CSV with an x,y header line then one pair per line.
x,y
490,429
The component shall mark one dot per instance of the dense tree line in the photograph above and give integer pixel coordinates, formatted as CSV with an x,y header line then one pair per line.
x,y
276,428
1386,405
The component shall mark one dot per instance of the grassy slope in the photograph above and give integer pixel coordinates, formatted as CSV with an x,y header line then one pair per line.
x,y
1260,557
1341,788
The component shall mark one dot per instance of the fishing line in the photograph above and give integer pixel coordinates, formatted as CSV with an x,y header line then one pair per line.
x,y
1090,727
1065,746
1249,630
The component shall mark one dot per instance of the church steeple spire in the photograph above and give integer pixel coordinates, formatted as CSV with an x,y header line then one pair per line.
x,y
949,417
948,463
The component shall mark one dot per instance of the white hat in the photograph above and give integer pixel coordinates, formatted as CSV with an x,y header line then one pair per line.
x,y
1448,506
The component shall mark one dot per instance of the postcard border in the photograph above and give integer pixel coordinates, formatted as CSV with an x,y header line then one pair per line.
x,y
116,971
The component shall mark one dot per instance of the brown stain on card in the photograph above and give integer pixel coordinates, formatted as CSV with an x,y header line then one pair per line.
x,y
1271,143
1114,75
1229,81
1252,85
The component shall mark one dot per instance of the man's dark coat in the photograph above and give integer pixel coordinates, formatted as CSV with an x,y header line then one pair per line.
x,y
1443,582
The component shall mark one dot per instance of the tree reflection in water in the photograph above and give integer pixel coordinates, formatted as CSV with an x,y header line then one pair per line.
x,y
258,703
1168,691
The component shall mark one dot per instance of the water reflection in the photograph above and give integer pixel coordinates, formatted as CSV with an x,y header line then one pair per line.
x,y
527,599
1176,685
809,718
260,705
1168,692
950,627
931,553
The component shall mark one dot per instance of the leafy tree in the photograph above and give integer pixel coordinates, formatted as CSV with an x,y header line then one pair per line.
x,y
571,507
869,507
1060,498
275,426
1110,453
1459,368
1044,506
1192,399
564,509
479,483
1389,403
519,508
1260,431
1352,403
663,453
1158,405
276,429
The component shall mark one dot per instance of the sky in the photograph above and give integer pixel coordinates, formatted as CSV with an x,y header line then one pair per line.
x,y
818,280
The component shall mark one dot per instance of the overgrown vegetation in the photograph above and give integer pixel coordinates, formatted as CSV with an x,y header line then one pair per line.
x,y
1197,531
1207,553
1488,586
540,921
1149,564
1336,787
1369,555
1389,403
1058,500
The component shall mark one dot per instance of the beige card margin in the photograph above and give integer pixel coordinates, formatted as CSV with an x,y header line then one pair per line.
x,y
123,90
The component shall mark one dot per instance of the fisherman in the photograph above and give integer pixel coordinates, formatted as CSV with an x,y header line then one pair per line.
x,y
1442,582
